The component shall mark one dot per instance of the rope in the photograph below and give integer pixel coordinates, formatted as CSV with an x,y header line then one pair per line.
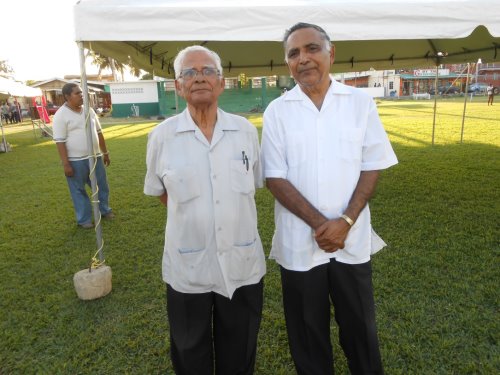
x,y
95,262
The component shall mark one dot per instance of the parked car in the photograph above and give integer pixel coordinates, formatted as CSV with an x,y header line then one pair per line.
x,y
446,90
51,109
477,88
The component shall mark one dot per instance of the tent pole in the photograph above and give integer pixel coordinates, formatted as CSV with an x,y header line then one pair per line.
x,y
92,157
465,102
435,103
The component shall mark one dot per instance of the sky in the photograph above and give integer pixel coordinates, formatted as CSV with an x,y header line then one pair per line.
x,y
38,39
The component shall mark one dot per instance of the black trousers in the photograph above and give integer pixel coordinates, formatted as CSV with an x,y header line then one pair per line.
x,y
208,329
306,301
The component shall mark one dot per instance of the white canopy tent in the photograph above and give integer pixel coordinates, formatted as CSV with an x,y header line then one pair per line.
x,y
380,34
8,88
383,34
14,88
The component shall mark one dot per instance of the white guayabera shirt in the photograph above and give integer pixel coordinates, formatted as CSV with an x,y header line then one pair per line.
x,y
322,154
211,239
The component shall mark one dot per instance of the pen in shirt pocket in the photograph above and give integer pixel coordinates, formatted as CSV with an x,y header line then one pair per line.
x,y
244,157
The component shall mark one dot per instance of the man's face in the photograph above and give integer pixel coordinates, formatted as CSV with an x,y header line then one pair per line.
x,y
75,99
201,89
308,58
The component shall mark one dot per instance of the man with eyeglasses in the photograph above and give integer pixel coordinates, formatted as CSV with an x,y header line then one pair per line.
x,y
204,165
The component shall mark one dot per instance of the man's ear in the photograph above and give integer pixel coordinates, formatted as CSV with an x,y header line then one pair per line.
x,y
178,87
332,54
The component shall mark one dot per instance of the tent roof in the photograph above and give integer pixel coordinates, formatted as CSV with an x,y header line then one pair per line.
x,y
383,34
51,80
13,88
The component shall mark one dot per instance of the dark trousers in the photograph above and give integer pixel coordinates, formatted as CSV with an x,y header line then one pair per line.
x,y
306,301
208,328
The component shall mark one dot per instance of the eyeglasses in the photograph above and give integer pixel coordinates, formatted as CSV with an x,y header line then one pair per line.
x,y
189,74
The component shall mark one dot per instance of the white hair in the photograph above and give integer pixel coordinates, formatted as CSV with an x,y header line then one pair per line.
x,y
179,59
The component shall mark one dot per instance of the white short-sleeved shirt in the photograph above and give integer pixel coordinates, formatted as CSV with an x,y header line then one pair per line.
x,y
69,127
322,153
211,238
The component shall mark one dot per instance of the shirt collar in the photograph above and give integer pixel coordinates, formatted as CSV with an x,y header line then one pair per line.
x,y
189,125
335,88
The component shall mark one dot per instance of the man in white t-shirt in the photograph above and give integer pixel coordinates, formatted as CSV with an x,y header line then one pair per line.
x,y
70,135
204,165
322,149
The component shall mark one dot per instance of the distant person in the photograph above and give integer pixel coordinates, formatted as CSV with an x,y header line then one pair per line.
x,y
491,93
6,113
204,165
323,147
14,113
19,111
70,135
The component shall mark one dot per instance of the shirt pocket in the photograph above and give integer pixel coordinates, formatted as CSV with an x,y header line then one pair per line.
x,y
243,262
351,143
242,180
191,267
181,184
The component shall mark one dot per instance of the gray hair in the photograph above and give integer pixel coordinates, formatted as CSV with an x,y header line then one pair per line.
x,y
179,59
305,25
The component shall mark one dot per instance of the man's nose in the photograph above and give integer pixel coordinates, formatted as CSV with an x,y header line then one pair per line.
x,y
303,57
199,77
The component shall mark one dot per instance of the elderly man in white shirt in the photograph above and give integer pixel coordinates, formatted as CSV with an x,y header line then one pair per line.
x,y
204,164
323,146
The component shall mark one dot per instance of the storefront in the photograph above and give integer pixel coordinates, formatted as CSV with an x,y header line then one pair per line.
x,y
422,81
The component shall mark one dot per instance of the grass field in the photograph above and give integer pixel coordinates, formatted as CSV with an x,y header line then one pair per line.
x,y
436,284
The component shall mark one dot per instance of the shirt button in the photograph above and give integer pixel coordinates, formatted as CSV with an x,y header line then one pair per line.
x,y
214,176
219,229
217,201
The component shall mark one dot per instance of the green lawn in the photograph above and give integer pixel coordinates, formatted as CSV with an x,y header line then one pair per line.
x,y
436,284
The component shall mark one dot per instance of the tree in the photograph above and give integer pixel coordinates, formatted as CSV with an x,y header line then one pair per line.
x,y
104,62
147,76
5,69
136,72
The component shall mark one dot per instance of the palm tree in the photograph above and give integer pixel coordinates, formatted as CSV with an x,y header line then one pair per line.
x,y
104,62
136,72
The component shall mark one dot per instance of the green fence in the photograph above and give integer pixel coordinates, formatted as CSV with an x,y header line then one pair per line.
x,y
237,100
